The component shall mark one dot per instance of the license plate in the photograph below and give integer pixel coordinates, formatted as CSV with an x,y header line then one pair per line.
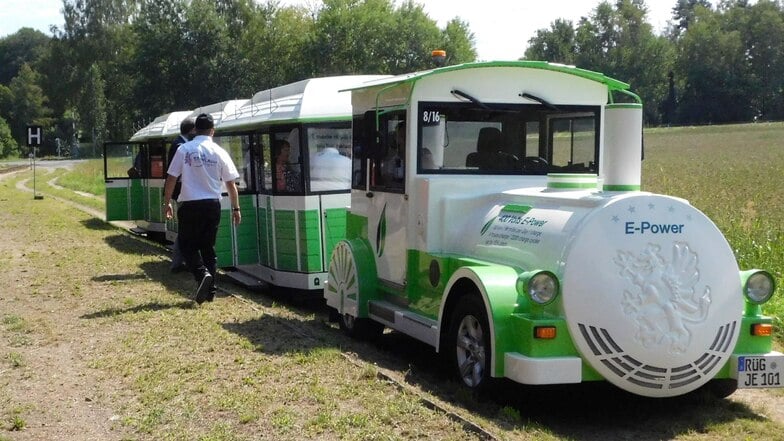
x,y
756,371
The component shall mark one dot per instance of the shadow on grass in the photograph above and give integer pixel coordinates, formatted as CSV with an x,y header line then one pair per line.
x,y
147,307
94,223
127,244
118,277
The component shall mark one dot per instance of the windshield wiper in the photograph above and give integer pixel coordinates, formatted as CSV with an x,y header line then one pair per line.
x,y
464,95
541,101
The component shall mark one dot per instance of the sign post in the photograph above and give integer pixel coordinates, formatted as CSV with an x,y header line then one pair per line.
x,y
34,137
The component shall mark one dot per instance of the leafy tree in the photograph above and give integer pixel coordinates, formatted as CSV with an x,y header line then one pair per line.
x,y
25,46
714,72
8,145
371,36
617,41
162,71
29,103
556,44
762,28
458,42
92,106
277,41
683,13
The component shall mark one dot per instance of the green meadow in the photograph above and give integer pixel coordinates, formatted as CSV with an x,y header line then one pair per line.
x,y
733,174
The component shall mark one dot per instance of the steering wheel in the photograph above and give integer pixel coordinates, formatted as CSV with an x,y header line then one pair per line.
x,y
535,165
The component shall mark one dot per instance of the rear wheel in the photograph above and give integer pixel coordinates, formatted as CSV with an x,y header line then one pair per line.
x,y
469,343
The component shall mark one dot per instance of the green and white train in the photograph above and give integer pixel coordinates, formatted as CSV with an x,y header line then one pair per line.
x,y
496,215
287,233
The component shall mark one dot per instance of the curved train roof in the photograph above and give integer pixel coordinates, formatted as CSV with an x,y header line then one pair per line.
x,y
220,112
611,83
161,125
308,100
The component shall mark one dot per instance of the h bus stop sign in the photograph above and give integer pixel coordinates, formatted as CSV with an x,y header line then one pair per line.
x,y
35,135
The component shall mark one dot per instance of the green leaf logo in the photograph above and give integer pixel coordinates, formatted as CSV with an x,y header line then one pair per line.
x,y
381,232
487,226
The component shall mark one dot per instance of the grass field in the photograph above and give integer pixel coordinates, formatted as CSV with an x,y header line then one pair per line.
x,y
735,175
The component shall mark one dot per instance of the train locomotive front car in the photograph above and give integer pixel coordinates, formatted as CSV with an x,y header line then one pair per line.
x,y
497,215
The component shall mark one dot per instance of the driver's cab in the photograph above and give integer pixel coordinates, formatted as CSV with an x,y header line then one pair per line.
x,y
423,140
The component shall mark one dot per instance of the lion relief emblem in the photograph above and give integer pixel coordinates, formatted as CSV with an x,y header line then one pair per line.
x,y
662,297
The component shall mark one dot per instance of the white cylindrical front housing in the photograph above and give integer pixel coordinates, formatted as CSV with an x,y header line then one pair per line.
x,y
622,156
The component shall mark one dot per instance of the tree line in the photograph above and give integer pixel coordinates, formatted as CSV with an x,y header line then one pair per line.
x,y
117,64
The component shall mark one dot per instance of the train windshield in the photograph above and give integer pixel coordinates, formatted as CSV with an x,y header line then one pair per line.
x,y
479,138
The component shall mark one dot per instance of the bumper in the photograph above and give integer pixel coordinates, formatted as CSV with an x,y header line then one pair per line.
x,y
549,370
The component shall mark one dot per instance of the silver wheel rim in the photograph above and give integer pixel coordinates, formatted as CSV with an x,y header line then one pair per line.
x,y
343,279
470,351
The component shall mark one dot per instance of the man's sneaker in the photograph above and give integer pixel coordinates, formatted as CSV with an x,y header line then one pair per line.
x,y
203,291
211,295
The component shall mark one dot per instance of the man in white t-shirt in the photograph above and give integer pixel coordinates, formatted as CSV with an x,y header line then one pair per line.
x,y
330,170
203,168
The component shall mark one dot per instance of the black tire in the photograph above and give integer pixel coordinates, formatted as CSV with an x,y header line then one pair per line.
x,y
468,344
721,388
360,328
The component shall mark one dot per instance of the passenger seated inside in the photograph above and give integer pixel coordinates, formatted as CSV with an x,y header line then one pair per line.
x,y
489,153
427,160
330,171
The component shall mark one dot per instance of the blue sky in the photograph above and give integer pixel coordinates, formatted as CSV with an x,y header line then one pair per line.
x,y
501,28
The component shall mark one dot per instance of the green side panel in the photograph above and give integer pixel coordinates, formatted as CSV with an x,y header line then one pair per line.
x,y
223,245
117,204
264,237
156,209
247,233
310,241
137,199
356,226
286,240
334,230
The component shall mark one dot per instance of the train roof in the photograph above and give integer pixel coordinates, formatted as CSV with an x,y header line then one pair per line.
x,y
220,112
161,126
611,83
314,99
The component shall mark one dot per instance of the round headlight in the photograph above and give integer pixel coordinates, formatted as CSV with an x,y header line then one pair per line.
x,y
759,287
543,287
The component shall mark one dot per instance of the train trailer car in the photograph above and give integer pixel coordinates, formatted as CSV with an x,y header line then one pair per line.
x,y
134,173
293,201
496,215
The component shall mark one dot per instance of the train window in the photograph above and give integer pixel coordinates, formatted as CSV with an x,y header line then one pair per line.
x,y
330,158
265,164
469,138
388,168
238,148
124,160
287,160
573,140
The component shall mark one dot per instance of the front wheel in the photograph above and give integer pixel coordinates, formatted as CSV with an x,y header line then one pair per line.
x,y
469,343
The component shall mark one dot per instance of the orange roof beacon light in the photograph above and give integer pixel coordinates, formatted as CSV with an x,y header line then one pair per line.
x,y
439,56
